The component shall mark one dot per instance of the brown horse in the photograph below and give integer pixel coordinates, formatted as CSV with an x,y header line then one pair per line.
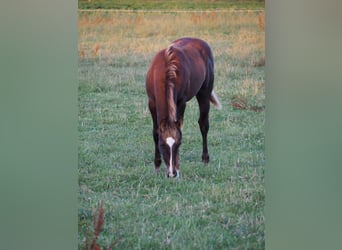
x,y
178,73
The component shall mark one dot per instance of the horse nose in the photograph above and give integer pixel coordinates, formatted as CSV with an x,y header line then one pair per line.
x,y
170,175
174,174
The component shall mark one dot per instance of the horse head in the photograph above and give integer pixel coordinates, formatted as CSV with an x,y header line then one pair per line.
x,y
170,138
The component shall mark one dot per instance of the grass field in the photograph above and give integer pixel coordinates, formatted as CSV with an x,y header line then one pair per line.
x,y
218,206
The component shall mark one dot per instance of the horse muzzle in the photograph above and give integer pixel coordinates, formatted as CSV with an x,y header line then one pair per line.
x,y
173,174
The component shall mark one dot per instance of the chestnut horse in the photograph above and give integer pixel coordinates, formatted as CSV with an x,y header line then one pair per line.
x,y
178,73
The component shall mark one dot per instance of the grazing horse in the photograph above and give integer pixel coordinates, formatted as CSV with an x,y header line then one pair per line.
x,y
178,73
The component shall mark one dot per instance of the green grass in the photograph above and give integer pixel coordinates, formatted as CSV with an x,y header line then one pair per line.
x,y
214,206
171,5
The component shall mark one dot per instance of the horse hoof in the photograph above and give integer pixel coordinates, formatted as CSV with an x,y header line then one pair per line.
x,y
205,159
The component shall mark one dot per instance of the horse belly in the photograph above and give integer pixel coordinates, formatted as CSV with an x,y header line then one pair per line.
x,y
192,91
195,84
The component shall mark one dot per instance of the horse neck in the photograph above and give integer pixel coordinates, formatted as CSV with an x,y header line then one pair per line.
x,y
170,81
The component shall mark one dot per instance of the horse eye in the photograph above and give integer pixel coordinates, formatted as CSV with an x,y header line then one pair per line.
x,y
164,146
176,146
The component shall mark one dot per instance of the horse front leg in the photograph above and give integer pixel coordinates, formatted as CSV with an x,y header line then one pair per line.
x,y
180,113
157,156
155,132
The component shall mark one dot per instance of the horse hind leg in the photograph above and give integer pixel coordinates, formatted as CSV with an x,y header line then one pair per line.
x,y
203,122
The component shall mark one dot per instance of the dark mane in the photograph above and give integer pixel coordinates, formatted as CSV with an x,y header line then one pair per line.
x,y
171,76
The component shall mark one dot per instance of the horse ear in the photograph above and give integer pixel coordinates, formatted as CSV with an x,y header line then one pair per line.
x,y
178,124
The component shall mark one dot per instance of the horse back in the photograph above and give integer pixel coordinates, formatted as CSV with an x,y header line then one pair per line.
x,y
189,44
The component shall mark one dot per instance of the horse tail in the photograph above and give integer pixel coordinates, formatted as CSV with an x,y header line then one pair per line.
x,y
214,100
170,76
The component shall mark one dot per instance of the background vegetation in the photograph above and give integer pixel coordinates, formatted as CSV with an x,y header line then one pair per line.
x,y
171,5
218,206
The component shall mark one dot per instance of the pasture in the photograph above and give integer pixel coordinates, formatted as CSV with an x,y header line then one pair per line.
x,y
214,206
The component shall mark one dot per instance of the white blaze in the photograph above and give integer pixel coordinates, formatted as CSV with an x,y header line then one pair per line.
x,y
170,141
